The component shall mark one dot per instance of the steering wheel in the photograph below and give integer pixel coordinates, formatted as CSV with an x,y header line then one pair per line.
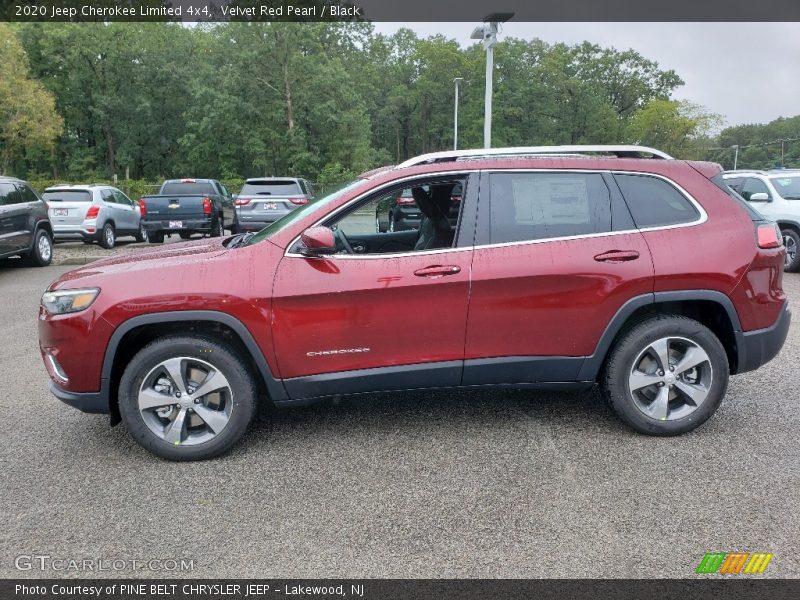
x,y
341,237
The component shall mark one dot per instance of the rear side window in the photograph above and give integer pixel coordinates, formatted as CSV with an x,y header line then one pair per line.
x,y
189,189
27,194
654,202
9,194
535,206
67,196
272,188
754,186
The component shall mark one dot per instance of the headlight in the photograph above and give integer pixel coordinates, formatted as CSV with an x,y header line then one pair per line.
x,y
68,301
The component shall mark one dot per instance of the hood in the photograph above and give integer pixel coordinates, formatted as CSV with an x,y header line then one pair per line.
x,y
171,256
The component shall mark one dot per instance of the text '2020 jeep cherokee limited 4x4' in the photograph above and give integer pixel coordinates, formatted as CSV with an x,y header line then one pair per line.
x,y
567,266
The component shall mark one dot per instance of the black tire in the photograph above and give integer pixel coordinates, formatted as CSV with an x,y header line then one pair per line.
x,y
142,235
185,235
791,240
378,225
41,254
156,238
391,222
219,228
228,363
615,384
108,236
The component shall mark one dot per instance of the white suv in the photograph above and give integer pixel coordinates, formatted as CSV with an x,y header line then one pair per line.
x,y
776,195
93,212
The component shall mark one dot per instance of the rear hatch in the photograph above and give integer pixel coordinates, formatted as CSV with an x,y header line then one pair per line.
x,y
67,207
268,199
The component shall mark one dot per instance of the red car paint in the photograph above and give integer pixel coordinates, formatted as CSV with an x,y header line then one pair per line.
x,y
550,298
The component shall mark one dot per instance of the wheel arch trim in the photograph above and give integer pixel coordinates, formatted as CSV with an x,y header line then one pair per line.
x,y
593,363
275,387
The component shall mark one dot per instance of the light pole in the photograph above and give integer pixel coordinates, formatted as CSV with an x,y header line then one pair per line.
x,y
488,33
735,155
457,80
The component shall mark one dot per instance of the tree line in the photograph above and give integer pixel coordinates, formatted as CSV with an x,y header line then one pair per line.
x,y
321,100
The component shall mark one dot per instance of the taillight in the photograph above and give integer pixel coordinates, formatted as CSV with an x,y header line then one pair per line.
x,y
207,206
769,235
142,208
298,200
403,201
93,211
242,201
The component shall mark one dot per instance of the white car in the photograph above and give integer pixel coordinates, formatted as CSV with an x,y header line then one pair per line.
x,y
776,195
93,212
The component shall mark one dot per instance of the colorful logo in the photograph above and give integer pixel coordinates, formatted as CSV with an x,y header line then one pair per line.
x,y
734,563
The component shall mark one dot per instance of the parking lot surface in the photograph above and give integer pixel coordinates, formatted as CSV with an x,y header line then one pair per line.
x,y
448,484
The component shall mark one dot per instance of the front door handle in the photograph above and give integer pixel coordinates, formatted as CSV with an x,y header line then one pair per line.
x,y
615,256
437,271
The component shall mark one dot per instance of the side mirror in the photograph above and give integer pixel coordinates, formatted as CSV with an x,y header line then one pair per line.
x,y
317,241
759,197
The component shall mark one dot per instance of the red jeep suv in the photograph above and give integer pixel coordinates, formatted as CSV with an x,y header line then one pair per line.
x,y
567,266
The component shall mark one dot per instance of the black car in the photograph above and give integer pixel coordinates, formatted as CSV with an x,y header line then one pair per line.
x,y
25,228
399,212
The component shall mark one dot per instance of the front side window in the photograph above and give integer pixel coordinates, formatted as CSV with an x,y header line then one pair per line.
x,y
535,206
654,202
418,217
754,186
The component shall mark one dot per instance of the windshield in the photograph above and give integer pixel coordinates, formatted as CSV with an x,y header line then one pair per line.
x,y
787,187
67,196
316,205
271,188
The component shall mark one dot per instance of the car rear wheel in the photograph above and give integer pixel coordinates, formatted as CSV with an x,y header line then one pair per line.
x,y
791,240
666,375
391,222
187,398
219,228
41,254
142,235
108,237
185,235
156,238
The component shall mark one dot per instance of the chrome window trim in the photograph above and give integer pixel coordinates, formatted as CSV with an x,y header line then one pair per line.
x,y
699,221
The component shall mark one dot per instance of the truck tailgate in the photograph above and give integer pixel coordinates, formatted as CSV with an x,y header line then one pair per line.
x,y
174,208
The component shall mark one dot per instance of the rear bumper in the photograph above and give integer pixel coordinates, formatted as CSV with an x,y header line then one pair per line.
x,y
88,402
203,225
74,232
760,346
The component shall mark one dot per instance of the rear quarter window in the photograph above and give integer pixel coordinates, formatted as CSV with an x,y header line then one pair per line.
x,y
9,194
654,202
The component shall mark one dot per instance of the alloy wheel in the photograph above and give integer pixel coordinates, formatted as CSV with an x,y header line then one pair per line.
x,y
670,378
791,250
44,247
185,401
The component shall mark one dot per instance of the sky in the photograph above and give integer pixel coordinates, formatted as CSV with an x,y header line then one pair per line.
x,y
746,72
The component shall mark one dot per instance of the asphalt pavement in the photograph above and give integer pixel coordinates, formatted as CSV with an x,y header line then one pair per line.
x,y
447,484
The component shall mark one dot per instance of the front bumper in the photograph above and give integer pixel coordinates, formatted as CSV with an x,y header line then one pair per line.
x,y
88,402
760,346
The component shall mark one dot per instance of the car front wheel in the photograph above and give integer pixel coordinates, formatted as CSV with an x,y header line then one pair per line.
x,y
792,242
187,398
666,375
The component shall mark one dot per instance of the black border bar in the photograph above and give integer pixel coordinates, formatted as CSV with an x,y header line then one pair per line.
x,y
700,588
399,10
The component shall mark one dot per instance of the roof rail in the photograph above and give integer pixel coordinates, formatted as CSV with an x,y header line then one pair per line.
x,y
759,171
452,155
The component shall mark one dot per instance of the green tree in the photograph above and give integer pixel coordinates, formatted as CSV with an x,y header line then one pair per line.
x,y
28,119
676,127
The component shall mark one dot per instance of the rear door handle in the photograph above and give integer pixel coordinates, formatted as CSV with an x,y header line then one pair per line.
x,y
437,271
617,256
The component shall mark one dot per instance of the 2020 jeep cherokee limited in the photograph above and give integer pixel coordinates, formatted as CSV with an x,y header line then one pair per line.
x,y
568,266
